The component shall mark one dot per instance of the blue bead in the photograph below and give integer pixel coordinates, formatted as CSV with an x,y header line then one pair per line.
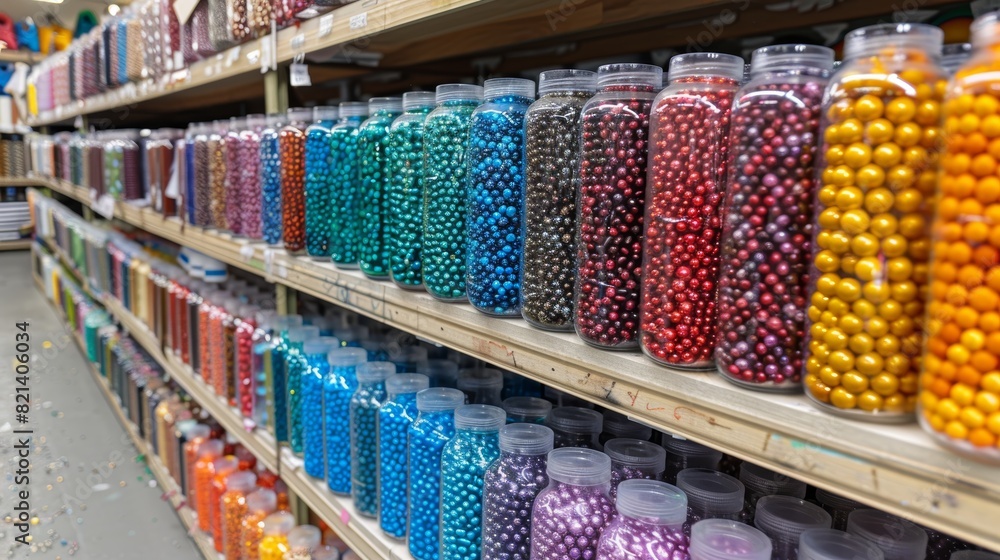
x,y
312,411
364,407
270,186
338,387
394,419
427,438
463,466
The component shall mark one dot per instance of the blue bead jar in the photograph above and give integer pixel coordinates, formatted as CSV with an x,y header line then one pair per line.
x,y
306,414
295,368
317,182
394,419
405,193
345,185
365,404
529,410
481,385
463,465
433,428
496,197
338,389
188,173
409,359
373,166
277,385
446,136
510,486
270,180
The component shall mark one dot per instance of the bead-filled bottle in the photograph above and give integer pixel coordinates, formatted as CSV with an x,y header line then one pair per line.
x,y
277,398
338,389
365,404
295,367
270,180
317,182
373,165
251,177
311,403
345,185
291,142
649,524
394,419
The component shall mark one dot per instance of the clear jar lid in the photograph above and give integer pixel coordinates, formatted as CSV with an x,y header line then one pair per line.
x,y
526,439
479,418
476,379
637,453
198,431
225,464
241,481
763,481
706,64
320,345
831,544
262,500
278,523
871,40
570,79
985,30
898,538
687,448
210,448
579,466
353,109
711,491
390,104
837,501
652,501
404,383
439,399
444,373
722,539
275,120
575,420
256,120
785,518
503,87
630,74
325,113
418,100
298,335
326,552
299,115
784,57
347,357
286,322
619,426
374,372
527,407
305,536
458,92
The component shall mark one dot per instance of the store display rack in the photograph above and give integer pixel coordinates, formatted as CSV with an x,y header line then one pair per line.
x,y
895,468
19,182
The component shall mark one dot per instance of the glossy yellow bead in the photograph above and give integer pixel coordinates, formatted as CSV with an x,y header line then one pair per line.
x,y
987,402
854,382
835,339
903,326
870,401
976,232
832,134
857,155
909,200
988,191
982,299
991,382
877,290
983,165
827,261
879,131
842,176
973,339
912,226
887,154
900,110
908,134
899,269
985,105
887,345
849,290
894,246
840,110
990,126
839,242
861,343
928,113
827,284
928,400
841,361
900,177
963,395
829,376
841,398
850,131
948,409
989,322
877,327
904,292
898,364
868,107
869,364
829,319
834,155
849,198
865,245
947,208
870,176
814,313
838,307
993,423
956,430
854,221
956,164
868,268
819,301
879,200
827,196
890,310
829,218
851,324
958,354
972,417
817,331
968,123
961,104
863,308
847,263
883,225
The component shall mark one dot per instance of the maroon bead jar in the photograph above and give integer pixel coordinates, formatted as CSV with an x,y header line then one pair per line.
x,y
689,140
613,142
767,230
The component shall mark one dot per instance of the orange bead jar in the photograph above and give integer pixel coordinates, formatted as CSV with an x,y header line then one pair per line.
x,y
223,467
877,184
204,471
274,544
960,382
260,504
233,508
197,435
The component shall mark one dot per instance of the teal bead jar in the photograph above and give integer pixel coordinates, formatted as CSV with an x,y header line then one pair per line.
x,y
295,368
446,136
308,409
338,389
345,185
405,194
277,397
365,405
373,166
394,419
428,435
270,182
463,465
262,343
317,182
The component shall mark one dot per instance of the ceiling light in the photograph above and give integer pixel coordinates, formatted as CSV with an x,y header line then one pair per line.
x,y
113,9
50,1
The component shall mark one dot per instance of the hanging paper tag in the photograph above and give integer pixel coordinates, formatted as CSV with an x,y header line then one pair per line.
x,y
299,75
325,25
105,206
266,55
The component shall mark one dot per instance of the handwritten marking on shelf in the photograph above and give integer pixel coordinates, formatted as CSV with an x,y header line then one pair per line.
x,y
634,397
651,408
710,419
610,390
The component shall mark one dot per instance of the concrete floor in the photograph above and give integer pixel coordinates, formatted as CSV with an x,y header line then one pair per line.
x,y
86,504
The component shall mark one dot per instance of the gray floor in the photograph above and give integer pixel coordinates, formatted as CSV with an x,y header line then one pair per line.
x,y
86,507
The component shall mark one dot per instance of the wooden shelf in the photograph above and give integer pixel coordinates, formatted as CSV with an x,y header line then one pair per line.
x,y
895,468
19,182
27,57
17,245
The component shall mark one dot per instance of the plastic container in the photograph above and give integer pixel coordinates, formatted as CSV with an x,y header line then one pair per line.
x,y
649,525
613,192
481,386
297,366
373,165
204,471
222,467
838,507
270,180
767,215
685,454
317,182
963,411
345,185
235,162
442,373
215,144
260,504
428,435
365,405
570,514
531,410
338,389
291,143
872,248
446,133
277,398
897,538
302,540
274,543
394,419
576,427
784,518
619,426
634,458
511,485
831,544
760,482
711,495
721,539
234,509
311,404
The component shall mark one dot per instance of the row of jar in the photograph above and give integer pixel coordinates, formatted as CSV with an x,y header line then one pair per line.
x,y
12,160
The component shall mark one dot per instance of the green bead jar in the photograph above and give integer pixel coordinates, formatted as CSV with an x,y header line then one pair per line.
x,y
373,164
345,185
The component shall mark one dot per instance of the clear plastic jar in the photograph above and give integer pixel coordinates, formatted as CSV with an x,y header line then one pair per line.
x,y
405,191
569,515
170,33
317,182
234,174
463,467
345,185
689,135
760,482
394,419
871,236
261,342
250,177
619,426
291,143
896,537
611,201
216,151
260,504
277,385
274,543
365,405
234,509
722,539
246,321
446,133
838,507
530,410
481,386
576,427
510,486
685,454
123,166
270,180
311,404
428,435
296,367
152,43
196,436
373,167
204,471
220,33
784,518
767,217
496,197
338,389
552,160
302,540
711,495
649,524
222,468
831,544
960,387
634,458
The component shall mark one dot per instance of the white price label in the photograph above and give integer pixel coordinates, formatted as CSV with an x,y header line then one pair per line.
x,y
268,262
359,21
299,75
298,41
326,25
234,55
266,53
253,57
105,206
246,251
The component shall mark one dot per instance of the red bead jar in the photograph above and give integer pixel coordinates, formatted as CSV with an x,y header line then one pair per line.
x,y
767,217
291,144
689,143
613,141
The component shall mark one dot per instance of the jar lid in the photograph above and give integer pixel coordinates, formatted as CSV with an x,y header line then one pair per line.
x,y
274,120
831,544
347,357
575,420
870,40
278,523
687,448
299,335
774,57
443,373
630,73
569,79
225,464
651,500
836,501
325,113
985,30
515,87
241,481
326,552
706,64
619,426
373,372
898,538
475,379
418,100
527,407
391,104
579,466
785,518
710,489
353,109
299,115
637,453
403,383
526,439
304,536
262,499
722,539
286,322
458,92
439,399
320,345
763,481
479,418
198,431
210,448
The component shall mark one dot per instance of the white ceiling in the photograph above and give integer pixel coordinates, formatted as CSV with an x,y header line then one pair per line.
x,y
66,12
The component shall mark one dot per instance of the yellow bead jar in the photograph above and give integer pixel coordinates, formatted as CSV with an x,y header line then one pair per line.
x,y
274,543
960,381
878,179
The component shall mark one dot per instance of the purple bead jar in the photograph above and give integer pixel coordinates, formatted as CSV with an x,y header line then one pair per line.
x,y
634,458
722,539
649,525
711,495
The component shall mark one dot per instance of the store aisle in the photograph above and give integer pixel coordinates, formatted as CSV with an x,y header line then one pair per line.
x,y
90,491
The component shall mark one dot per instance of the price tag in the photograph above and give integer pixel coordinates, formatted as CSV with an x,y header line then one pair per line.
x,y
234,55
359,21
78,122
282,270
268,261
246,251
178,59
299,75
266,55
105,206
253,57
298,41
325,25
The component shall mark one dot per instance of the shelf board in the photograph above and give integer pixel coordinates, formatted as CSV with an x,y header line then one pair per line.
x,y
16,245
19,182
27,57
